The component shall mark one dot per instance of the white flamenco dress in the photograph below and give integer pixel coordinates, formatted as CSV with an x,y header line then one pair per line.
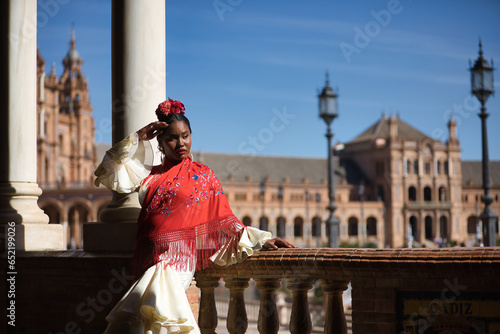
x,y
157,303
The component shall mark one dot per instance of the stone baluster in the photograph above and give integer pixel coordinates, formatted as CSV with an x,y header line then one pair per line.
x,y
237,321
268,322
300,319
207,319
335,321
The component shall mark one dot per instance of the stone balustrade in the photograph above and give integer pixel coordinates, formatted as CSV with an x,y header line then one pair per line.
x,y
381,280
392,290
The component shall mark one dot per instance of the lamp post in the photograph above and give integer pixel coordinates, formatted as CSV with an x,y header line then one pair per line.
x,y
328,111
482,88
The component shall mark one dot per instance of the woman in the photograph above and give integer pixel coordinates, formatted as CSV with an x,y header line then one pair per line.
x,y
185,224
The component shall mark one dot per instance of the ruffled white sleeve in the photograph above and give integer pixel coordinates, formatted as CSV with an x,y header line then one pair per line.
x,y
235,251
125,165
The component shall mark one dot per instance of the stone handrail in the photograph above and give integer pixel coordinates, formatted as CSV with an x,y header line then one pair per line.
x,y
336,268
429,205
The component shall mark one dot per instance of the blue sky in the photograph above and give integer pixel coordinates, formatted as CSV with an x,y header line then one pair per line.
x,y
249,72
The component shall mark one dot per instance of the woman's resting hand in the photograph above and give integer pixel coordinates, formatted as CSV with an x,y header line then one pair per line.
x,y
276,243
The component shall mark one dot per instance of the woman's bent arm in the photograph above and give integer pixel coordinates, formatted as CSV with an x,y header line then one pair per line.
x,y
125,165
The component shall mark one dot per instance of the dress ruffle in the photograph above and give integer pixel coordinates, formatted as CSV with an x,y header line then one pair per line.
x,y
155,304
125,165
235,251
157,301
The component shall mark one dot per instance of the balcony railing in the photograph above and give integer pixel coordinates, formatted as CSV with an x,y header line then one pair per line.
x,y
378,278
429,205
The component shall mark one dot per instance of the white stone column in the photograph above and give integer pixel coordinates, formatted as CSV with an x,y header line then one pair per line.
x,y
138,86
19,190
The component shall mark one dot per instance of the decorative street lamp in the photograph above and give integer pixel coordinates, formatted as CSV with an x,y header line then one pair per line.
x,y
482,88
328,111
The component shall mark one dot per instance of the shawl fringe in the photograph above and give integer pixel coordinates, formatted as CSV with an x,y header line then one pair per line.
x,y
189,248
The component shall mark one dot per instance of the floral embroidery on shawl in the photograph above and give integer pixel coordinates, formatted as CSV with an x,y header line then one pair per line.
x,y
185,218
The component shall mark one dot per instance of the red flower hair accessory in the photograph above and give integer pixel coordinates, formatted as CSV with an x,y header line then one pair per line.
x,y
170,107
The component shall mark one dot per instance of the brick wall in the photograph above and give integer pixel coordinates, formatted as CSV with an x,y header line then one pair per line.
x,y
68,292
457,289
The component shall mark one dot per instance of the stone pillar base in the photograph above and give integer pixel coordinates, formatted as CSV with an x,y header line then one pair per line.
x,y
117,227
123,208
109,237
19,203
33,237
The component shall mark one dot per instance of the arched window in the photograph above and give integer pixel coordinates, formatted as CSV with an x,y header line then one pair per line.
x,y
443,225
316,226
414,227
428,227
380,193
280,226
371,226
472,224
264,223
412,194
298,227
427,194
60,144
427,168
247,221
352,226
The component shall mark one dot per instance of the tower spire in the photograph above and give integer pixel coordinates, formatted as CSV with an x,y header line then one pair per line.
x,y
73,37
452,129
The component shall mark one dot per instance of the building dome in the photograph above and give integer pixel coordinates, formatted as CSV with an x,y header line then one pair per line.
x,y
72,55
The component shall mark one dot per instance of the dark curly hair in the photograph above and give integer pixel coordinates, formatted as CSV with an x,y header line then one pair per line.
x,y
174,117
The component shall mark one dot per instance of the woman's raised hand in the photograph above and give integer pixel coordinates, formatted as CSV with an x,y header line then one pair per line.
x,y
151,130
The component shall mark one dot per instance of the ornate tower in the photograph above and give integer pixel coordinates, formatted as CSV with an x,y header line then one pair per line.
x,y
66,126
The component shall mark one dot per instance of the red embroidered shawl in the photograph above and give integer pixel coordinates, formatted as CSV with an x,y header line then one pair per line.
x,y
185,217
